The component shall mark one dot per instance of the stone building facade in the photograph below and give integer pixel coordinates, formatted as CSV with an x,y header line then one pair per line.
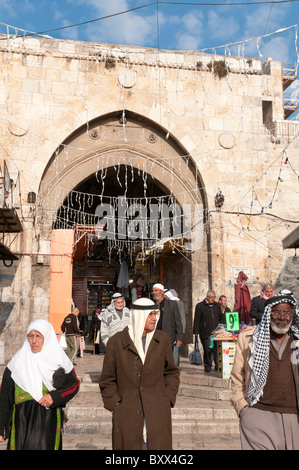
x,y
87,124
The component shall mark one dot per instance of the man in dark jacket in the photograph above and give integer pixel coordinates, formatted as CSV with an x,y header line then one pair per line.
x,y
224,308
206,319
70,327
170,318
258,302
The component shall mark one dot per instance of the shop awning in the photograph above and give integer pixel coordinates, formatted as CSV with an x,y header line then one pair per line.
x,y
6,254
83,233
162,247
291,240
9,221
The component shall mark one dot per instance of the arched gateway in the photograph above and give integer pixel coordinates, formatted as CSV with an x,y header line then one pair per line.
x,y
120,189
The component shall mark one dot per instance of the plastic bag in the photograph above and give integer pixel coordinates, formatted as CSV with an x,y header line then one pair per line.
x,y
62,341
195,357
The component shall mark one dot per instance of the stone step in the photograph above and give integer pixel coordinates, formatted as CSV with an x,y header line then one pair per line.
x,y
206,442
103,426
86,414
186,389
180,442
210,393
204,413
86,442
186,377
204,380
183,413
91,403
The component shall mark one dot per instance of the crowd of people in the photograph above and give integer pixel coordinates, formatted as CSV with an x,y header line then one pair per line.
x,y
140,375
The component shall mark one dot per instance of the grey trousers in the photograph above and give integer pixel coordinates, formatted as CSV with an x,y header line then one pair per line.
x,y
72,346
267,430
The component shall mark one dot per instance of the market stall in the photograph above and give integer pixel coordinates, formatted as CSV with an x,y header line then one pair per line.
x,y
226,337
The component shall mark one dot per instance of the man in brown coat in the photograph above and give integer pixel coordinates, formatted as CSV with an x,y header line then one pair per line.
x,y
139,382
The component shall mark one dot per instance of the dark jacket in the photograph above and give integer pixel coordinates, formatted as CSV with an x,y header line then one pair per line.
x,y
206,318
145,391
223,315
257,308
70,325
170,320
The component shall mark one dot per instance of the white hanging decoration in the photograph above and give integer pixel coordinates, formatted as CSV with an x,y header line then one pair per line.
x,y
296,48
87,121
126,180
104,63
177,77
117,175
258,49
194,85
78,76
97,70
157,85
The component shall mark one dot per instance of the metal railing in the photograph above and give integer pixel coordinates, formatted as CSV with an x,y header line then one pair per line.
x,y
286,128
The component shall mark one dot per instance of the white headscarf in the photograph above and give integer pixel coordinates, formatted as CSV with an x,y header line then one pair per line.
x,y
30,370
169,294
138,315
158,286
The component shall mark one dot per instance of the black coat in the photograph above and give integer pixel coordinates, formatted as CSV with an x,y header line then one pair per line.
x,y
170,320
257,308
223,316
206,318
65,391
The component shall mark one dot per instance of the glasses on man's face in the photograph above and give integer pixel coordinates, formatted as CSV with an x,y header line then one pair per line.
x,y
280,314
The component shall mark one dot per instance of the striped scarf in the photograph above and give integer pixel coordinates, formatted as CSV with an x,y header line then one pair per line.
x,y
259,360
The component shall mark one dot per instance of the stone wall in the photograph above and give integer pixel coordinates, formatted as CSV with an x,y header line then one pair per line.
x,y
52,89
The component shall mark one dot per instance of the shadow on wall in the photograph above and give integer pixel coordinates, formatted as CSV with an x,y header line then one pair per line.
x,y
5,311
289,276
6,305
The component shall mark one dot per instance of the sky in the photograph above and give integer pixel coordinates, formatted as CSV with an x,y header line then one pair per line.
x,y
250,28
164,25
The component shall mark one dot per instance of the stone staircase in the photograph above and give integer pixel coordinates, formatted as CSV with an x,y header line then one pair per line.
x,y
203,417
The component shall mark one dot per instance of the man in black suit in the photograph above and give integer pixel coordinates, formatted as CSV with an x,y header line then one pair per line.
x,y
224,308
170,319
258,302
206,319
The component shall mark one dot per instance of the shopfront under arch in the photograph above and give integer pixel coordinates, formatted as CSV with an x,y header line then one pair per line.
x,y
98,165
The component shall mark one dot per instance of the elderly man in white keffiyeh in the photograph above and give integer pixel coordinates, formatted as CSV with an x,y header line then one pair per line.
x,y
265,378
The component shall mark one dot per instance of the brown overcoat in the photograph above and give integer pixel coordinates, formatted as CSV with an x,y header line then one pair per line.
x,y
145,391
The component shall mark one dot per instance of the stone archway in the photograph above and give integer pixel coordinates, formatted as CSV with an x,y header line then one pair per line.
x,y
135,141
108,141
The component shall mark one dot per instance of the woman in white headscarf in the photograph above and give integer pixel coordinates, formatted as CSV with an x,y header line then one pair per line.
x,y
37,382
139,382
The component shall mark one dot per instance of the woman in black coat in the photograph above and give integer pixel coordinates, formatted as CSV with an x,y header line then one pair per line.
x,y
37,383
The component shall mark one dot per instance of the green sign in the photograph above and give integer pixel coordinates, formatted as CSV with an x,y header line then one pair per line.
x,y
232,321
